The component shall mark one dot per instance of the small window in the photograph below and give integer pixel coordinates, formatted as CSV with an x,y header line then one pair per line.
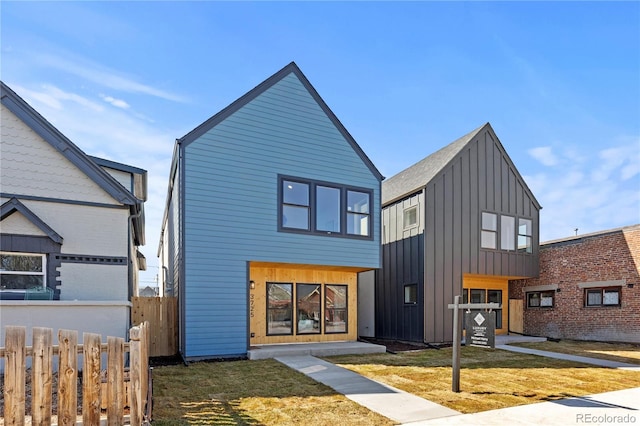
x,y
410,217
279,308
507,232
607,296
477,295
489,235
22,271
411,294
335,308
540,299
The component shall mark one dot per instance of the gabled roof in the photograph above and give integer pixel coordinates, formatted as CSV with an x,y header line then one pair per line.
x,y
62,144
262,87
415,177
14,205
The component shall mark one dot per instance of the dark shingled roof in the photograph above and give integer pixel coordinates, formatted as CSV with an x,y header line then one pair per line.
x,y
417,176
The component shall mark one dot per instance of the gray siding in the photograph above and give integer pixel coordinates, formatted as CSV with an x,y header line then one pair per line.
x,y
480,178
403,260
231,208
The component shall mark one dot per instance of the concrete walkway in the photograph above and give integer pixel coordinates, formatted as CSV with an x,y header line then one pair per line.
x,y
390,402
618,407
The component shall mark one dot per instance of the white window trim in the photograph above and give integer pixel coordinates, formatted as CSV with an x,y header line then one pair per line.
x,y
43,273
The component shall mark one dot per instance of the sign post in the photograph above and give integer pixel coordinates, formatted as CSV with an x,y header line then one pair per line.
x,y
457,334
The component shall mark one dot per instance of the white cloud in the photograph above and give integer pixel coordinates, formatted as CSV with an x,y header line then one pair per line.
x,y
544,155
119,103
103,76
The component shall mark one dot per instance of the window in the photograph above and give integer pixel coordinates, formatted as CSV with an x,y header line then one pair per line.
x,y
540,299
335,308
410,217
507,232
607,296
495,296
508,235
524,235
295,205
411,294
324,209
489,235
21,271
328,210
358,213
279,308
477,295
308,308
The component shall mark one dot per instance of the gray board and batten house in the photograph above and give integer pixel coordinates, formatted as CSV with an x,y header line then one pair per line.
x,y
272,213
462,221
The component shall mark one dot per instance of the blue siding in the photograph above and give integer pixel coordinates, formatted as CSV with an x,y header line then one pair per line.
x,y
231,207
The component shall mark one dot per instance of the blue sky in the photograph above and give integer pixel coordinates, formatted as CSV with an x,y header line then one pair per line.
x,y
558,81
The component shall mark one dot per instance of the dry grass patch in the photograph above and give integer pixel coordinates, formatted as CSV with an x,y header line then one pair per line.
x,y
489,379
620,352
249,393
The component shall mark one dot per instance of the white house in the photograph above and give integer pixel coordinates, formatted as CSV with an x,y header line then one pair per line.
x,y
70,229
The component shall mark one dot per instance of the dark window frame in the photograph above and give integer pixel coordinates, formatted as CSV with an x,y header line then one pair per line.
x,y
413,293
346,309
602,291
312,213
269,309
530,294
297,309
498,233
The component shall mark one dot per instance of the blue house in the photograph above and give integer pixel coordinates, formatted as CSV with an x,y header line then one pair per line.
x,y
273,211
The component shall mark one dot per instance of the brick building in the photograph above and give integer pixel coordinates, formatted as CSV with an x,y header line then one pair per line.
x,y
588,288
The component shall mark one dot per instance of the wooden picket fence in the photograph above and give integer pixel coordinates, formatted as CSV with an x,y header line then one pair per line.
x,y
95,395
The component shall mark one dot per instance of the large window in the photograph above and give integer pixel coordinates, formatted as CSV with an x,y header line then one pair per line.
x,y
22,271
502,228
606,296
324,208
328,209
335,307
308,308
279,308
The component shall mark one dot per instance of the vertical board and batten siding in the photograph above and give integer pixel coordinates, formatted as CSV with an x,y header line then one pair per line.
x,y
403,257
480,178
231,207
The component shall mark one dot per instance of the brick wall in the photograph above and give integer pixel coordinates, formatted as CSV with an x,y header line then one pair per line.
x,y
605,256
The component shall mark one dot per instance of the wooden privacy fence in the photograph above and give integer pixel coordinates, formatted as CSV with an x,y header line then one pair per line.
x,y
94,394
162,315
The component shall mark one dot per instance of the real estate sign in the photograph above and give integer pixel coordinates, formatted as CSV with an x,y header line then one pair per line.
x,y
480,329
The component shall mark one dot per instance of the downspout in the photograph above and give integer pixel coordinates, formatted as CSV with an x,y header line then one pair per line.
x,y
131,219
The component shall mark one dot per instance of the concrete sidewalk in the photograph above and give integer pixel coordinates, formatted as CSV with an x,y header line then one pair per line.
x,y
618,407
567,357
390,402
611,408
